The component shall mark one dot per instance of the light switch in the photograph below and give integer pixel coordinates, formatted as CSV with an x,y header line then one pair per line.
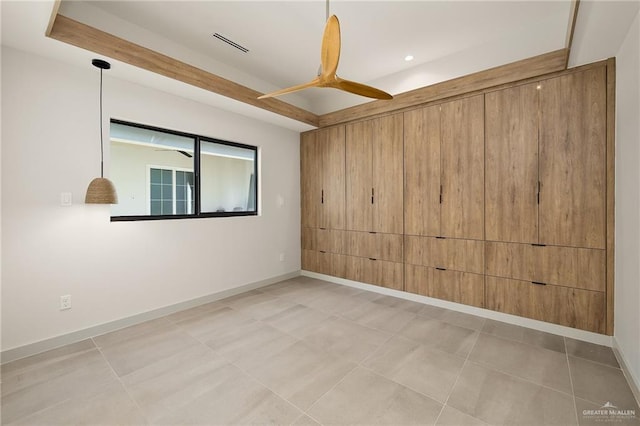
x,y
65,199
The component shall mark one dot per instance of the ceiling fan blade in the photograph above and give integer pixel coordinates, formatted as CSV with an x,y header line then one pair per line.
x,y
330,52
313,83
360,89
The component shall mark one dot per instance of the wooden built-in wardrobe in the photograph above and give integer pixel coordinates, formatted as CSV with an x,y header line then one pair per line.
x,y
500,199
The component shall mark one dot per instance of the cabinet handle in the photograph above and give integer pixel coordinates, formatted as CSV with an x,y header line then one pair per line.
x,y
539,245
440,194
372,258
322,197
441,269
322,251
372,232
372,195
441,238
538,195
538,283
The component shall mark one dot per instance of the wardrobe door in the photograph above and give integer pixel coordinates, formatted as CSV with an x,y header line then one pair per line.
x,y
387,182
332,146
359,176
573,159
422,171
462,147
310,180
511,164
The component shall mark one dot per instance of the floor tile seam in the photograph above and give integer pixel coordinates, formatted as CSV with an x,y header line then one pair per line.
x,y
136,337
4,378
573,392
365,359
518,377
347,374
455,383
125,388
595,362
526,343
268,388
18,419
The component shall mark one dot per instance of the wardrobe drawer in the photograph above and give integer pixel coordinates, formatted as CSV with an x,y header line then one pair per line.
x,y
449,253
572,307
566,266
378,272
316,261
374,245
454,286
320,239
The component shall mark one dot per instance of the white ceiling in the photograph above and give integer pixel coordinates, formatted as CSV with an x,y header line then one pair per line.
x,y
447,38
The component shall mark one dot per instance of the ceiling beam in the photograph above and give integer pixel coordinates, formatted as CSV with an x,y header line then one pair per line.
x,y
573,17
515,71
86,37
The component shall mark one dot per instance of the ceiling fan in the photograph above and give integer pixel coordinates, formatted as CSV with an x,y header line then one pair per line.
x,y
329,57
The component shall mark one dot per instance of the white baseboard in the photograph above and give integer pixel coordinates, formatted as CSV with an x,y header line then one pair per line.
x,y
65,339
573,333
633,381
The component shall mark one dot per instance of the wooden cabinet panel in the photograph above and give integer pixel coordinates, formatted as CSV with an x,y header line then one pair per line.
x,y
572,159
388,162
566,266
571,307
422,171
316,261
310,180
448,253
462,173
454,286
359,178
377,272
332,147
511,159
339,265
308,238
374,245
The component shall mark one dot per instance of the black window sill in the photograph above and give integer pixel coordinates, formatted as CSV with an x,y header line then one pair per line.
x,y
181,216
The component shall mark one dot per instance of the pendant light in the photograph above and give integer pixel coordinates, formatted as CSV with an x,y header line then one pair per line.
x,y
101,190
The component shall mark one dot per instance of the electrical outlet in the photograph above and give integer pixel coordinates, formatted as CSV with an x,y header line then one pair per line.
x,y
65,302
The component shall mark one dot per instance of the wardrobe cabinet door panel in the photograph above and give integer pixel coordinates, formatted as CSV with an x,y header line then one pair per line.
x,y
339,265
511,150
417,279
332,144
462,214
572,159
310,180
422,171
459,287
359,176
388,163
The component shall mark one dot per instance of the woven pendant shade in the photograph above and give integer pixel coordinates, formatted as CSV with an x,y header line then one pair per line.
x,y
101,191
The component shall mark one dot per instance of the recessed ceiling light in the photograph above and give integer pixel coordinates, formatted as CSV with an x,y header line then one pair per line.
x,y
408,58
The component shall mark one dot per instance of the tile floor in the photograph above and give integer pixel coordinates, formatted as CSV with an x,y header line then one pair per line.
x,y
309,352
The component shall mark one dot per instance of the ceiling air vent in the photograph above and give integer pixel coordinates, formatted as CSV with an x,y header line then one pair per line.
x,y
231,42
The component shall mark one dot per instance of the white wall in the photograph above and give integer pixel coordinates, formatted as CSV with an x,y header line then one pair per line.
x,y
627,250
114,270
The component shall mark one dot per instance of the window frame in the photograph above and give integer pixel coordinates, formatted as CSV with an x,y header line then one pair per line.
x,y
198,214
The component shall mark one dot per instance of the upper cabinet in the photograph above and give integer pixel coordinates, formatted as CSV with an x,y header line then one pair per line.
x,y
444,169
322,178
546,161
374,165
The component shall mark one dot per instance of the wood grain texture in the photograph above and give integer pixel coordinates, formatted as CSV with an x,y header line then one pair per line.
x,y
378,272
565,266
611,174
449,253
374,245
359,179
462,148
417,279
388,163
573,140
339,265
573,18
310,180
86,37
332,147
422,171
570,307
511,164
515,71
459,287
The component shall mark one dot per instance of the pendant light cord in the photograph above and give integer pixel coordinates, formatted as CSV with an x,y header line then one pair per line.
x,y
101,133
327,8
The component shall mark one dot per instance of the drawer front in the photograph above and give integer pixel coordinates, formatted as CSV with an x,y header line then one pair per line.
x,y
374,245
448,253
454,286
377,272
308,237
577,308
320,239
566,266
